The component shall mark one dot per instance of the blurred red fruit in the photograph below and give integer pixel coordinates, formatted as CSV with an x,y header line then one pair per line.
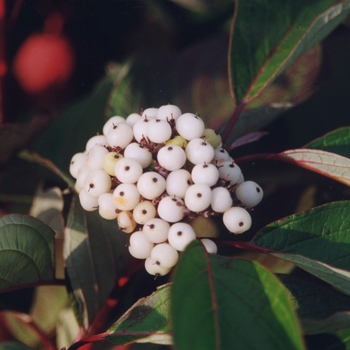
x,y
42,61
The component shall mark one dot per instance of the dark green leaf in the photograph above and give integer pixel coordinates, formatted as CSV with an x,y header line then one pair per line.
x,y
337,141
147,319
228,303
267,36
27,252
317,240
320,307
95,252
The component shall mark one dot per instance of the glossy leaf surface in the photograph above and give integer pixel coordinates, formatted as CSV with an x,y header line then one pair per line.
x,y
94,251
317,240
267,36
337,141
26,252
216,302
147,319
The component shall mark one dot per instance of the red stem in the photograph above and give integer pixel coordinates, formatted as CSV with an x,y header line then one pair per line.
x,y
232,122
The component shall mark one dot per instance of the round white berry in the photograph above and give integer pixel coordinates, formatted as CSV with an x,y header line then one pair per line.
x,y
151,185
159,131
126,221
128,170
109,161
180,235
120,135
198,197
209,245
143,212
77,161
97,182
126,196
96,140
164,255
168,112
111,122
220,199
95,156
81,177
205,174
132,119
154,269
88,202
249,193
149,113
230,171
156,230
106,207
140,129
139,153
220,156
199,151
139,246
237,220
171,157
171,209
190,126
177,183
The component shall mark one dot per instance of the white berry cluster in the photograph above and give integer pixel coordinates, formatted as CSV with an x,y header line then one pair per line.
x,y
153,172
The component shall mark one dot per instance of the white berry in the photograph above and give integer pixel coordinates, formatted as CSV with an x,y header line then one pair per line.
x,y
128,170
190,126
237,220
171,209
168,112
220,199
97,182
88,202
106,207
159,131
199,151
249,193
180,235
151,185
139,246
111,122
156,230
171,157
120,135
198,197
143,212
77,161
177,183
154,269
164,255
205,174
126,196
209,245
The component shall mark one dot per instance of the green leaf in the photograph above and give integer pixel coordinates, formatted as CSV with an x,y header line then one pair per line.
x,y
320,307
27,252
229,303
317,240
94,250
267,36
325,163
147,319
337,141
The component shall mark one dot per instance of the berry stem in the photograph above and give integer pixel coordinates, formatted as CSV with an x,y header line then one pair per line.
x,y
232,121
